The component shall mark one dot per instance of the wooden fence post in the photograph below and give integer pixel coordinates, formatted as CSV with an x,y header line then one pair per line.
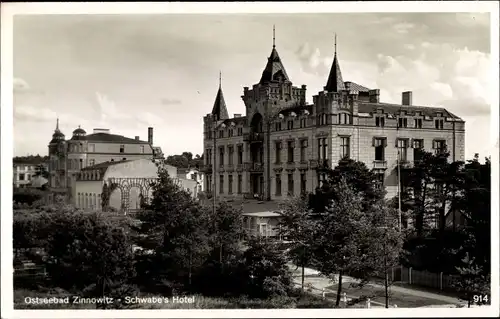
x,y
409,275
392,272
441,280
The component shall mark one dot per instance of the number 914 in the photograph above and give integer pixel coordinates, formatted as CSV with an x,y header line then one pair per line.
x,y
480,298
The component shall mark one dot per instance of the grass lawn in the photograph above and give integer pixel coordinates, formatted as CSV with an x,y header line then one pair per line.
x,y
377,294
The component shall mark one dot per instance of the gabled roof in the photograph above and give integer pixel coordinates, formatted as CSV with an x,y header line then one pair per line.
x,y
274,69
112,138
366,107
220,109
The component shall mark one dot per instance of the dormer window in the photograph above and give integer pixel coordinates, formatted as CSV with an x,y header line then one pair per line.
x,y
303,123
277,126
323,119
344,118
290,124
439,123
221,134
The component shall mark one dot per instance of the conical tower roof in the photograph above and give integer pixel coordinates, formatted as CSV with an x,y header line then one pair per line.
x,y
274,68
220,110
335,83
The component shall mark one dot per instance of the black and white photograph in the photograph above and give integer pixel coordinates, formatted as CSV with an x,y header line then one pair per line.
x,y
280,159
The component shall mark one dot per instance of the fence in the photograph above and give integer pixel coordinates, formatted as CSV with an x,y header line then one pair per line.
x,y
422,278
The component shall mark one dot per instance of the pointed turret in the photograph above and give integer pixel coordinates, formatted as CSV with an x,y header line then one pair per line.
x,y
274,70
335,82
220,110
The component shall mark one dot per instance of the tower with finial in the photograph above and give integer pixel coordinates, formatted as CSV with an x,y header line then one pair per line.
x,y
335,83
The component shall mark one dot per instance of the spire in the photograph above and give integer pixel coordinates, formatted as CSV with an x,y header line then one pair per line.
x,y
335,83
274,68
220,110
274,36
57,124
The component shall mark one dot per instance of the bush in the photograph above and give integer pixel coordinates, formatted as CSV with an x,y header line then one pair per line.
x,y
27,196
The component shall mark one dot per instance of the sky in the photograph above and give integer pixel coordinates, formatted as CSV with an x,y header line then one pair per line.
x,y
128,72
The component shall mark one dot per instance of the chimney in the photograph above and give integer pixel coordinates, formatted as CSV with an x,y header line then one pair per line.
x,y
137,138
237,115
407,98
374,95
150,135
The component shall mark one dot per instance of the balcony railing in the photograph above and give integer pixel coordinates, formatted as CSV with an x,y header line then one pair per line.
x,y
379,164
404,164
240,167
253,137
206,168
318,164
254,167
303,165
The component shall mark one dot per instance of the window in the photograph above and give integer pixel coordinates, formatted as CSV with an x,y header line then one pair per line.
x,y
402,122
321,179
240,154
439,124
439,146
231,154
91,148
278,152
209,135
22,177
344,118
344,147
380,177
92,162
221,184
278,184
122,148
221,155
290,185
142,149
322,119
209,183
380,121
322,149
230,184
221,134
418,146
303,183
402,146
124,159
290,125
240,131
28,177
208,156
379,144
230,133
80,165
240,183
303,122
418,123
303,148
277,126
291,147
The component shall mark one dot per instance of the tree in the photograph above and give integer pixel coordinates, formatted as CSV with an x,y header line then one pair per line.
x,y
297,226
90,255
356,174
341,246
185,160
176,228
473,283
41,171
226,229
385,242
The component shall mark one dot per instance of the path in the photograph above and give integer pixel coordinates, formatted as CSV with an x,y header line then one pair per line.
x,y
319,282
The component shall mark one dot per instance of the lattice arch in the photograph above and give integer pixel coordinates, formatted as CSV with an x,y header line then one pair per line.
x,y
126,184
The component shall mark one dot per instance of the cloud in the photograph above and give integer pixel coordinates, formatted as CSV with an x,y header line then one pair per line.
x,y
311,60
403,27
20,85
167,101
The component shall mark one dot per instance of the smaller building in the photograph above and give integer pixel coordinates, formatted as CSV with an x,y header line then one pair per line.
x,y
192,174
121,185
26,168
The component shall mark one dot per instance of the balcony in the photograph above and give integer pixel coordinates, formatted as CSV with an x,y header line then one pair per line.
x,y
379,164
229,168
313,164
254,167
240,167
253,137
404,164
318,164
290,165
303,165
